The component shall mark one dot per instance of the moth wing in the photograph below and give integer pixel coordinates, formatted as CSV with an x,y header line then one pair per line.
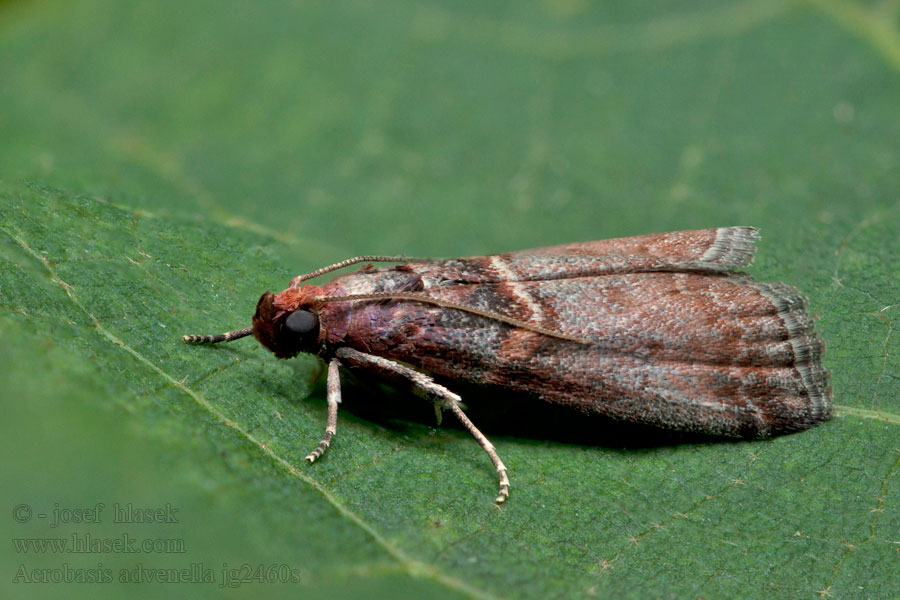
x,y
679,340
721,355
719,250
732,245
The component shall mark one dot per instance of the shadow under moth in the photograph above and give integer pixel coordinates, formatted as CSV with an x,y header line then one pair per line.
x,y
657,329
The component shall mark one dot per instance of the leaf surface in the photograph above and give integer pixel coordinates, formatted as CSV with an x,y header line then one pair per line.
x,y
164,164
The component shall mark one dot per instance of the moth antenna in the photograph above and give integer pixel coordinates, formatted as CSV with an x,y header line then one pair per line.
x,y
469,309
352,261
215,339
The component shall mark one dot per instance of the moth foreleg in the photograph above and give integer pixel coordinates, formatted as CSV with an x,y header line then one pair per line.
x,y
334,398
424,386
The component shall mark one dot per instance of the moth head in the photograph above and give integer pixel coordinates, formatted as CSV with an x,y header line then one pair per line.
x,y
285,332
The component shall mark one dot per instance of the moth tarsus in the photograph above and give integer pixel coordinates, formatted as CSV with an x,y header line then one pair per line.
x,y
659,329
334,398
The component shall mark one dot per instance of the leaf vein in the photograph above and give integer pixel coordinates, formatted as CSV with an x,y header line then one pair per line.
x,y
411,566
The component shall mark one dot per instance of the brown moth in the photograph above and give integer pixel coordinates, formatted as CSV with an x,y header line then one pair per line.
x,y
658,329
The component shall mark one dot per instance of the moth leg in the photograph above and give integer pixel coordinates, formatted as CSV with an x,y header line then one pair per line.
x,y
485,443
424,386
334,398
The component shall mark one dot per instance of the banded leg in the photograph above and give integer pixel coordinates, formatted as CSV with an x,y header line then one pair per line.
x,y
334,398
424,386
485,443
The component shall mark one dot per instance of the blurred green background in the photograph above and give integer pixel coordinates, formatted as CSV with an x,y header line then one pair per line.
x,y
163,163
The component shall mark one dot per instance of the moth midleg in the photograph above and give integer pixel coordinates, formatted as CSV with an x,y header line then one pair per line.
x,y
424,386
488,447
334,398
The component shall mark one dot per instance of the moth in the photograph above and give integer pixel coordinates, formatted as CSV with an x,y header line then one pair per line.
x,y
659,329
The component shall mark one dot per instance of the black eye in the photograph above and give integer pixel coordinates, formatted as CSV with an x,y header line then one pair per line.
x,y
302,322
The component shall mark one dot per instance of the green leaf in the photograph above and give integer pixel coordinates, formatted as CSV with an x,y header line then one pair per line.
x,y
164,163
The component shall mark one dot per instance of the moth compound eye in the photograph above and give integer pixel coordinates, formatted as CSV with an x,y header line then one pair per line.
x,y
302,322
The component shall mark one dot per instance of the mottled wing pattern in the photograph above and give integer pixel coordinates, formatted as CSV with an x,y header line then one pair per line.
x,y
685,345
703,250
